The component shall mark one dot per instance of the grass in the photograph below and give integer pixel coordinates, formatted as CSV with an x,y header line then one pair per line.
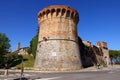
x,y
28,62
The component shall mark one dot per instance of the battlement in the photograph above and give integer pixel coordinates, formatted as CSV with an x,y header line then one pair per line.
x,y
58,11
102,45
87,43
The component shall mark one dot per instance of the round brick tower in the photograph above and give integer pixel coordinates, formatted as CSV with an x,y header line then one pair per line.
x,y
58,48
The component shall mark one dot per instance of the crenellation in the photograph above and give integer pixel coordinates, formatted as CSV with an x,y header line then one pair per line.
x,y
58,11
87,43
102,44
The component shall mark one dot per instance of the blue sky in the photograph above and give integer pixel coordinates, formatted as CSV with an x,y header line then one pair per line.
x,y
99,20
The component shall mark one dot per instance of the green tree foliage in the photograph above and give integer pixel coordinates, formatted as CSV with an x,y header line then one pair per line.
x,y
114,53
33,46
15,59
4,46
4,43
115,56
11,59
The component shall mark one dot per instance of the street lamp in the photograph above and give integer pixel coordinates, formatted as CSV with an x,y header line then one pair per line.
x,y
22,67
6,65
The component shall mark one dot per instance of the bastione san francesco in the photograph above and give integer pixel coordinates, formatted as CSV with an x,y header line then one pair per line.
x,y
58,48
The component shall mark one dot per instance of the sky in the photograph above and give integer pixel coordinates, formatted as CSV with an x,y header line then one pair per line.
x,y
99,20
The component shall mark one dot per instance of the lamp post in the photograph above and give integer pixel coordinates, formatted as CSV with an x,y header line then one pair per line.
x,y
6,65
22,67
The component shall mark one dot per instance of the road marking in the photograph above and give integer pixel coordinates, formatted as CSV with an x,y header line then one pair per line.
x,y
111,72
48,78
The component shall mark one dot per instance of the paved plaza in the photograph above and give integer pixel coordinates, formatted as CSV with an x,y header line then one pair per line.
x,y
113,74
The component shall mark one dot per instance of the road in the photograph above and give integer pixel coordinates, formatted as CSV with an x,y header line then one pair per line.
x,y
87,75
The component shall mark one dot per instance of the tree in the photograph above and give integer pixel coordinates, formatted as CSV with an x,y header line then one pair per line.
x,y
33,46
4,46
115,56
4,43
114,53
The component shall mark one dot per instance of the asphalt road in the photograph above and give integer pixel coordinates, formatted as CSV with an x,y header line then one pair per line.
x,y
89,75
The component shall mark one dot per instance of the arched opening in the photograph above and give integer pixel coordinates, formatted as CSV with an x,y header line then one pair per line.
x,y
39,16
52,11
68,13
72,15
76,18
63,12
47,12
43,14
58,11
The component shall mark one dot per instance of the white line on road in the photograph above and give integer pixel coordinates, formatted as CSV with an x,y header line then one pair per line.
x,y
114,71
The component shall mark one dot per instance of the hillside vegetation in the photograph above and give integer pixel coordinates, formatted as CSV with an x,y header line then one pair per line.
x,y
28,62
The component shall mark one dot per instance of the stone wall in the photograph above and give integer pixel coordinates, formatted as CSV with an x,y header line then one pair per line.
x,y
59,48
93,55
104,48
58,40
22,51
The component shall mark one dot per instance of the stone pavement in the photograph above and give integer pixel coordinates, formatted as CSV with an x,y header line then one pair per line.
x,y
102,68
48,75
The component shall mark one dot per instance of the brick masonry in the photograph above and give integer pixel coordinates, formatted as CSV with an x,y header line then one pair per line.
x,y
58,48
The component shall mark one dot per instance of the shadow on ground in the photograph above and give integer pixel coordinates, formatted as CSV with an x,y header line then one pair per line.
x,y
23,78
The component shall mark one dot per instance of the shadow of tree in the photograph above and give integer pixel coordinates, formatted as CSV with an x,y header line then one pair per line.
x,y
16,62
23,78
